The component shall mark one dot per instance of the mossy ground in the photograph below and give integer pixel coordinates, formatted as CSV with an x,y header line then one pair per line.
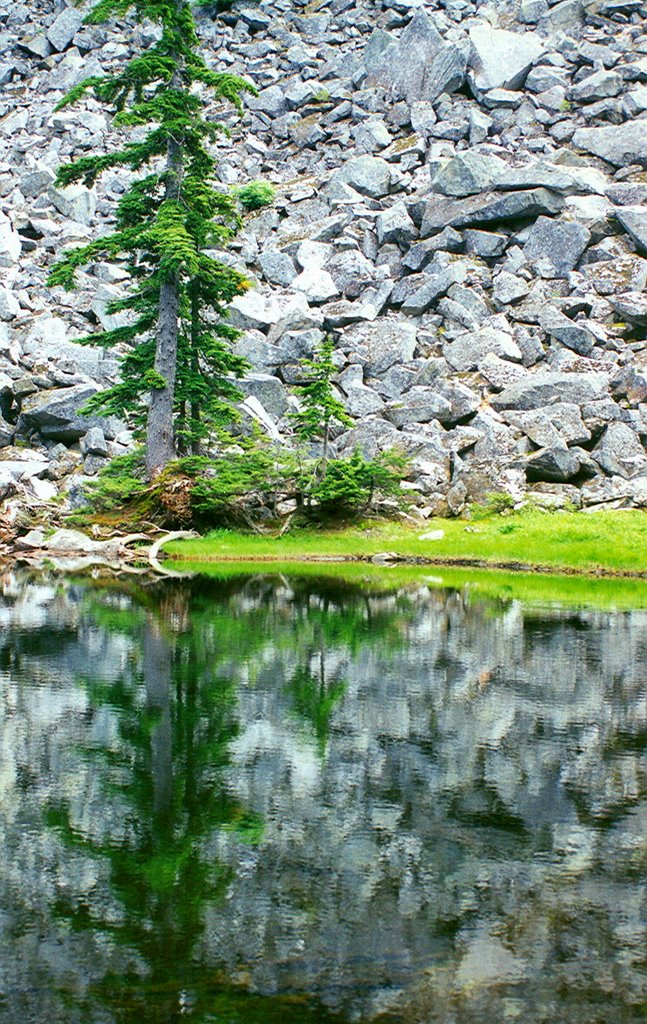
x,y
611,542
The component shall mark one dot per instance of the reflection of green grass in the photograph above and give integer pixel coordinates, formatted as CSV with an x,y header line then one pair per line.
x,y
615,541
490,584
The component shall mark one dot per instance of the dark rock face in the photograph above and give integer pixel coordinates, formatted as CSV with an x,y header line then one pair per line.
x,y
459,203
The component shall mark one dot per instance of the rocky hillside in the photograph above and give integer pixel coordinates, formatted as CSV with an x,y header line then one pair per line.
x,y
461,203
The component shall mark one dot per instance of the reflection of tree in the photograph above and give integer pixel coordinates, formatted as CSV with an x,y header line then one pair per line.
x,y
165,774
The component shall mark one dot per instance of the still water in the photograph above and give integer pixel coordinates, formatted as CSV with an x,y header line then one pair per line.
x,y
283,800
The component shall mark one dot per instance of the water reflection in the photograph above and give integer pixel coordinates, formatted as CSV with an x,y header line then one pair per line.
x,y
269,798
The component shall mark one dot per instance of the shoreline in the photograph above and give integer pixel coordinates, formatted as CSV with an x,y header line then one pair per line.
x,y
406,560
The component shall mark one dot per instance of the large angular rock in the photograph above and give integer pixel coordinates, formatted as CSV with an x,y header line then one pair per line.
x,y
419,405
56,413
433,287
62,31
571,333
9,304
634,221
395,225
500,373
490,208
500,59
467,174
270,101
631,306
277,267
368,175
558,464
268,390
467,351
544,388
10,247
619,451
351,272
620,144
418,66
381,344
75,202
555,246
316,284
567,420
598,86
613,277
47,340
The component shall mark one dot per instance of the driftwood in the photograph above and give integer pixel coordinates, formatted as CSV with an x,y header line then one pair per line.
x,y
72,550
155,549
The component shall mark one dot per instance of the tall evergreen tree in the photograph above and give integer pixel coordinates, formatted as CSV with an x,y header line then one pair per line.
x,y
176,375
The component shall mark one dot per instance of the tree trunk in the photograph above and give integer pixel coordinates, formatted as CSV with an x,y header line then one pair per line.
x,y
160,442
196,447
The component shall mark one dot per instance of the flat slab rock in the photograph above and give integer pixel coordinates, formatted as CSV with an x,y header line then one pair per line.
x,y
541,389
489,208
620,145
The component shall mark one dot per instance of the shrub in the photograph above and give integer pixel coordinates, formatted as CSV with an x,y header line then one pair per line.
x,y
352,484
256,195
496,503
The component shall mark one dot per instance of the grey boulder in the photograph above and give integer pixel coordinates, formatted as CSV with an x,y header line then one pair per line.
x,y
555,246
500,59
620,144
544,388
491,208
57,415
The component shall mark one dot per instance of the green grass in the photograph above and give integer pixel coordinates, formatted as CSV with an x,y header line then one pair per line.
x,y
614,542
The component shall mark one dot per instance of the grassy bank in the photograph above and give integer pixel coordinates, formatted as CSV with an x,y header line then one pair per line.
x,y
604,542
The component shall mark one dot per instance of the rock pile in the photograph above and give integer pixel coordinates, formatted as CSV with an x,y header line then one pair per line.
x,y
461,203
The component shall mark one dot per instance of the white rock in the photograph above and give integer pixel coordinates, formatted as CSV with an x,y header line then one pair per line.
x,y
9,305
316,284
10,247
501,59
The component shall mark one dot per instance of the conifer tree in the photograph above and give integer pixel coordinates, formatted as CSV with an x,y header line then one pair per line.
x,y
320,408
176,375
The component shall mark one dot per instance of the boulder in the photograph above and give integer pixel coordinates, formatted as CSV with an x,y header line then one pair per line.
x,y
557,463
490,208
555,247
500,59
619,451
620,145
268,390
395,225
467,351
634,221
380,344
432,287
56,414
611,277
571,333
418,66
467,174
62,31
544,388
368,175
278,267
75,202
10,247
599,85
9,305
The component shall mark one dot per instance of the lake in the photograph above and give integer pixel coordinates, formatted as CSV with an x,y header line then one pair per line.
x,y
288,798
